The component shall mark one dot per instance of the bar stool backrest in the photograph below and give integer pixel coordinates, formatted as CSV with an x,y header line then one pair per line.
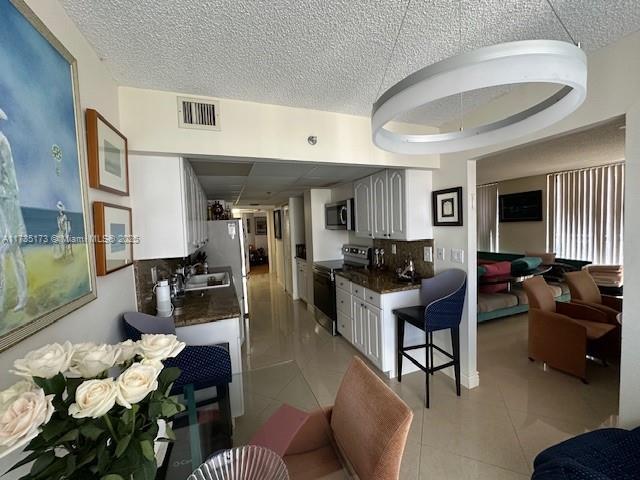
x,y
443,297
136,324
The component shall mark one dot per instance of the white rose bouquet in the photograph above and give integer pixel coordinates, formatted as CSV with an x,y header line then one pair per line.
x,y
90,411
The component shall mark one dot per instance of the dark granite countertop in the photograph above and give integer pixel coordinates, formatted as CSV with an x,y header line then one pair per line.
x,y
380,281
206,306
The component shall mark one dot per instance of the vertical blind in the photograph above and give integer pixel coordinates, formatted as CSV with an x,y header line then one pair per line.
x,y
487,208
586,214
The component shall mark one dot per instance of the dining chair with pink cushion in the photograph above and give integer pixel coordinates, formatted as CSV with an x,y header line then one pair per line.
x,y
367,427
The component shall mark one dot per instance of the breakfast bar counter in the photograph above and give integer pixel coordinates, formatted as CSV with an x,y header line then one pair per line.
x,y
379,281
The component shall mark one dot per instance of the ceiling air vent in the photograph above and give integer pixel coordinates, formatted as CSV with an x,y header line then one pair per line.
x,y
199,114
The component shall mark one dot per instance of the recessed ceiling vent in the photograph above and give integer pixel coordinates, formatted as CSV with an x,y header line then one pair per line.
x,y
199,114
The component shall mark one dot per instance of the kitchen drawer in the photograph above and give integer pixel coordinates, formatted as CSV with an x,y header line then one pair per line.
x,y
343,283
343,301
358,291
373,298
345,326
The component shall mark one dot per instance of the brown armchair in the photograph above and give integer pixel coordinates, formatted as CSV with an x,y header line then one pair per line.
x,y
584,290
368,424
563,334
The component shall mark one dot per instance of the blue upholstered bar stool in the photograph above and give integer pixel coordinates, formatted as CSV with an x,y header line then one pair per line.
x,y
202,366
442,302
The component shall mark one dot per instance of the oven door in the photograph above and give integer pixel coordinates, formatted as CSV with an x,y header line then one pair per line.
x,y
337,216
324,297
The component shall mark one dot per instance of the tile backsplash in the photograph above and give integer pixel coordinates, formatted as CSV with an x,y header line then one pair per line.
x,y
144,286
403,250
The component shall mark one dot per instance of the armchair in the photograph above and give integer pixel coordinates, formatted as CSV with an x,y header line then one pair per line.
x,y
584,290
563,334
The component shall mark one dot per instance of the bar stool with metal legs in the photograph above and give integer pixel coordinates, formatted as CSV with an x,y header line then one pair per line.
x,y
442,302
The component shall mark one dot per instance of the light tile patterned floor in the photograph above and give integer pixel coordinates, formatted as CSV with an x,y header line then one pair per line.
x,y
491,432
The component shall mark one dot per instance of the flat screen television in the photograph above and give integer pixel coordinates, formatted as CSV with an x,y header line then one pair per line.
x,y
521,207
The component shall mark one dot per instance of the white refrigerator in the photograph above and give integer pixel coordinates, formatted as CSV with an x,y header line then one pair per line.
x,y
227,247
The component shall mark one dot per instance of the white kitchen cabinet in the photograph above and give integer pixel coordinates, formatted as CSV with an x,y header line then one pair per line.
x,y
379,212
366,320
301,266
363,203
398,206
374,334
358,321
169,207
345,326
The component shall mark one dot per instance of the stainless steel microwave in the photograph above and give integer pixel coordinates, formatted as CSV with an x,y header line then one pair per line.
x,y
339,215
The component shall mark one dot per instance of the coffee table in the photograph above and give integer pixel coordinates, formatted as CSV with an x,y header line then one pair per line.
x,y
510,279
269,405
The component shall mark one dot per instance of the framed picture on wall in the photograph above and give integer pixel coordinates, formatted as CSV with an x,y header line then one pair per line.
x,y
107,154
447,207
261,225
46,263
114,246
277,223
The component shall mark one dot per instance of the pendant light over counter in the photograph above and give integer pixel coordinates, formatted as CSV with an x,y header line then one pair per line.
x,y
528,61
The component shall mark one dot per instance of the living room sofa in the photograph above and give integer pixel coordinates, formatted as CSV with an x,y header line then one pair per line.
x,y
495,301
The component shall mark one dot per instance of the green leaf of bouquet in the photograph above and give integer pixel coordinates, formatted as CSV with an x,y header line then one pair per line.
x,y
111,476
72,386
54,385
37,443
42,462
155,409
146,471
168,409
123,443
169,433
147,449
71,464
54,428
86,458
70,436
91,431
167,377
104,457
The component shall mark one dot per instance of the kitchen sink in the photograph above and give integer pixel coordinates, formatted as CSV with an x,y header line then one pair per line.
x,y
208,281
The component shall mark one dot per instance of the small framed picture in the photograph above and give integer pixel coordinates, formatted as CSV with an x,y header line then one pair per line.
x,y
277,224
113,239
261,225
447,207
107,154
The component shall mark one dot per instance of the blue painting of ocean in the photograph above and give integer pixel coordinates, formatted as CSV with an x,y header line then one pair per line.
x,y
40,222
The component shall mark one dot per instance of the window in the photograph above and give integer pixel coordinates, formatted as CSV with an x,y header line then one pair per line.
x,y
487,196
586,214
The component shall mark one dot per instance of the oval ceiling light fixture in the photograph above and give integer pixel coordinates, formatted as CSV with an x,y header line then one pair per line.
x,y
527,61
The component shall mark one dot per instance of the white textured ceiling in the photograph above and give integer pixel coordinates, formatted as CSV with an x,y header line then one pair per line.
x,y
268,183
322,54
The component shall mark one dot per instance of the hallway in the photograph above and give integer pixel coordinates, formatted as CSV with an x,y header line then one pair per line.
x,y
491,432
